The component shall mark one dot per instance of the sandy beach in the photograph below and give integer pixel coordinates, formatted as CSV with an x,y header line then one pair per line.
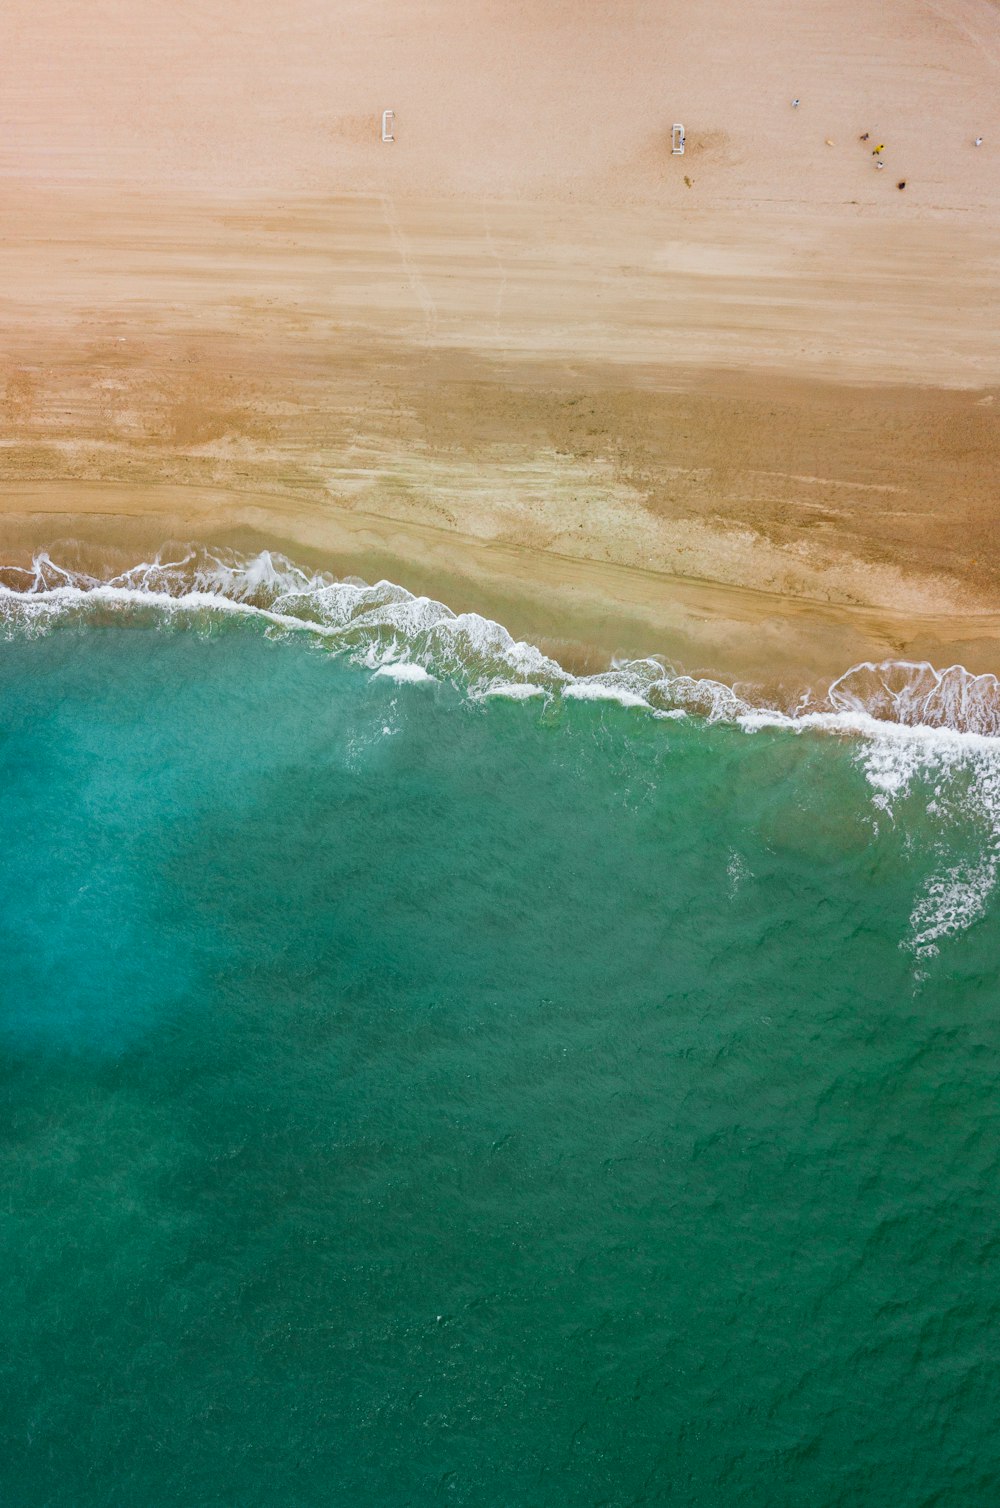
x,y
740,407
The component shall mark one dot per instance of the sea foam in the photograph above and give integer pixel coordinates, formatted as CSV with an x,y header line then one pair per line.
x,y
403,670
409,637
909,720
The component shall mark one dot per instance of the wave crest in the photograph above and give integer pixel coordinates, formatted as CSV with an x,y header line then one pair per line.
x,y
913,725
915,694
384,624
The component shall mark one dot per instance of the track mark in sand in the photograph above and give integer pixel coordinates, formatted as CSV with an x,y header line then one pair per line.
x,y
416,282
501,271
831,481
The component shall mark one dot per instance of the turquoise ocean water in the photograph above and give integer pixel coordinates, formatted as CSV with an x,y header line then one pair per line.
x,y
429,1078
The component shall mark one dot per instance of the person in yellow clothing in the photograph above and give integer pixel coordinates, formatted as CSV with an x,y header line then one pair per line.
x,y
878,149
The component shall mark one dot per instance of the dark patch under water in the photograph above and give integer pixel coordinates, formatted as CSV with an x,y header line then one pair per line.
x,y
412,1100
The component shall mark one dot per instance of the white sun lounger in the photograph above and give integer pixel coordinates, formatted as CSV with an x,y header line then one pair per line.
x,y
677,141
387,119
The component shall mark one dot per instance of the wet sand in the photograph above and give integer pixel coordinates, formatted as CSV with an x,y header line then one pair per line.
x,y
751,422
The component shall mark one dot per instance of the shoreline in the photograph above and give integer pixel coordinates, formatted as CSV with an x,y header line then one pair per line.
x,y
766,449
583,613
740,407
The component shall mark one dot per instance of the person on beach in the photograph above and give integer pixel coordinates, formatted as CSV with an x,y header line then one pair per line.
x,y
877,151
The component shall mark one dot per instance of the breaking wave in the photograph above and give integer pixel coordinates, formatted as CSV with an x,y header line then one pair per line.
x,y
385,626
911,722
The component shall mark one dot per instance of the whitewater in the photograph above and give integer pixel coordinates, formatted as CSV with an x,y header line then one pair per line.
x,y
382,624
911,722
431,1075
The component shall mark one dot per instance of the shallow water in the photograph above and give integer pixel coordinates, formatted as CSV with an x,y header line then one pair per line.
x,y
413,1096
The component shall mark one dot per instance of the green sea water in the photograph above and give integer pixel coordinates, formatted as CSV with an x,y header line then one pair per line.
x,y
412,1097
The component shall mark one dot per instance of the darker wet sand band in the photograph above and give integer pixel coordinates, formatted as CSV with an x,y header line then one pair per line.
x,y
756,464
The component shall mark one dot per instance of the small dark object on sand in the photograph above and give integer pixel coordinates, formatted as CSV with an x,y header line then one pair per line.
x,y
901,184
864,138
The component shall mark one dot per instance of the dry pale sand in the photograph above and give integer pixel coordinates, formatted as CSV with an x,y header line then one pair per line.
x,y
740,407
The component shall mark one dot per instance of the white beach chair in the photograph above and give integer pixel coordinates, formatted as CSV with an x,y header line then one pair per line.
x,y
387,118
677,141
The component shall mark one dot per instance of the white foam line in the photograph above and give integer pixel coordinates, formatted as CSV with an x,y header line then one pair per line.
x,y
855,723
457,642
404,670
70,596
929,722
600,691
195,601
